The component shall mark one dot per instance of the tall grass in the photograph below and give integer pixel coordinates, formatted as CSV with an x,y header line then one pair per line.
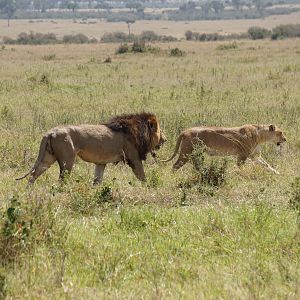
x,y
125,239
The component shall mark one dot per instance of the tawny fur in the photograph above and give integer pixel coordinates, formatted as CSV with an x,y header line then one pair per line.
x,y
124,138
243,142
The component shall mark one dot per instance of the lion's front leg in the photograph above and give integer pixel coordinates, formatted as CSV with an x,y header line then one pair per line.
x,y
138,169
99,171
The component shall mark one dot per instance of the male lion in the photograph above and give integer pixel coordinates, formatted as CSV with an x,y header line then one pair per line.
x,y
125,138
242,142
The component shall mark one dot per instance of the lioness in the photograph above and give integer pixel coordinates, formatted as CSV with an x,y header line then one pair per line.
x,y
125,138
242,142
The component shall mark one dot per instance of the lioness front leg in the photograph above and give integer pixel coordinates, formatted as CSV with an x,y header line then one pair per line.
x,y
138,170
99,170
262,162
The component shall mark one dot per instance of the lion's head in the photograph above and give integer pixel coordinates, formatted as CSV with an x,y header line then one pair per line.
x,y
143,129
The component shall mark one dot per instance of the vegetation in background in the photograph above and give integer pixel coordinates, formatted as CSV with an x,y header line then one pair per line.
x,y
254,33
221,232
128,10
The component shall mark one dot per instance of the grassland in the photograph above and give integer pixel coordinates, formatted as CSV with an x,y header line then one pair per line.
x,y
127,240
176,29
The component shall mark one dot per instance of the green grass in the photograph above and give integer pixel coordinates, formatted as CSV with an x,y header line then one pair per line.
x,y
162,239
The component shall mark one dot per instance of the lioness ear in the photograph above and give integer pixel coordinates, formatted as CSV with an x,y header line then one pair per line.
x,y
272,127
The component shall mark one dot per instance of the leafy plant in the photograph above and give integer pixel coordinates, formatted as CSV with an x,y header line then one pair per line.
x,y
176,52
209,175
294,200
229,46
15,230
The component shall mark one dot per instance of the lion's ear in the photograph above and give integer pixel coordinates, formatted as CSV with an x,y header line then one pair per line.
x,y
152,125
272,128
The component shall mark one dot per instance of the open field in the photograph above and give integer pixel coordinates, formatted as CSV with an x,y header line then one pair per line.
x,y
160,240
176,29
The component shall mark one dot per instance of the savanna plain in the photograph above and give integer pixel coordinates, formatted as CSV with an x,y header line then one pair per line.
x,y
171,238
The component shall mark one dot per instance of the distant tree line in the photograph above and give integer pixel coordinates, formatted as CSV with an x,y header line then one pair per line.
x,y
254,33
190,10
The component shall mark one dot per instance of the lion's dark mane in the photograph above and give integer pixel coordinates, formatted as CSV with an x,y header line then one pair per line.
x,y
137,127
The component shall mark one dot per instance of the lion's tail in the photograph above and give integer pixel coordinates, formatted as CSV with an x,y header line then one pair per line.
x,y
42,151
176,149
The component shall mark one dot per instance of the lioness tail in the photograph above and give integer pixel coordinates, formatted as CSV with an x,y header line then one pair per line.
x,y
176,149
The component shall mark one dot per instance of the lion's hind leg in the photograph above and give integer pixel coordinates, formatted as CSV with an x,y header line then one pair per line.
x,y
65,165
99,170
65,154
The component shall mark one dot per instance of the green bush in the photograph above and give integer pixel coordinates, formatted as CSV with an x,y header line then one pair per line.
x,y
15,231
176,52
48,38
116,37
76,39
123,48
49,57
210,175
85,202
229,46
285,31
138,47
256,33
294,200
36,38
146,36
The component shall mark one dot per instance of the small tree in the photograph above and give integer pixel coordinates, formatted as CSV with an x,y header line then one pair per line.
x,y
129,22
217,6
133,5
206,7
8,7
188,6
236,4
72,6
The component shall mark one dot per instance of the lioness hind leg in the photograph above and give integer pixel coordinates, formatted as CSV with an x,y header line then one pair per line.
x,y
182,160
47,161
241,160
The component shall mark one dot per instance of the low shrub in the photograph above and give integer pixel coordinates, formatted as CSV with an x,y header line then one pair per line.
x,y
209,176
256,33
229,46
49,57
205,37
77,39
146,36
138,47
294,200
85,202
285,31
176,52
48,38
36,38
123,48
116,37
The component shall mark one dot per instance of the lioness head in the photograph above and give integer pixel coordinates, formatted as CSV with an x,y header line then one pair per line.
x,y
276,135
157,136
